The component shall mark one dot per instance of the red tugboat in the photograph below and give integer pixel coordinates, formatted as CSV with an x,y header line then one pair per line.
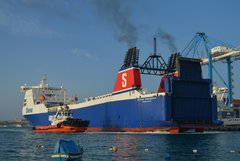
x,y
63,121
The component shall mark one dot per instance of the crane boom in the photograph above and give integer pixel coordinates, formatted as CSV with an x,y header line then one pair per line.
x,y
233,54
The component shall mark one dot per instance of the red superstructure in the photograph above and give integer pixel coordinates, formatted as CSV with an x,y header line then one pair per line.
x,y
128,79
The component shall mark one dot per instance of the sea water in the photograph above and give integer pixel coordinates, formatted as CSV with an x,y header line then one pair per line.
x,y
18,144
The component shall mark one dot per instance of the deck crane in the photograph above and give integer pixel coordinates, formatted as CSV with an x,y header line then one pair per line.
x,y
216,51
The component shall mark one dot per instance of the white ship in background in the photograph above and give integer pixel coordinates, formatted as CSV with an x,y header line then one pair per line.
x,y
229,115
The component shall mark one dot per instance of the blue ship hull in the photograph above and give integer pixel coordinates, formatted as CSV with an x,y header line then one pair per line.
x,y
120,114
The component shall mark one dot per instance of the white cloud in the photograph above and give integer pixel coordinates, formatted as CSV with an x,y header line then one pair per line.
x,y
83,54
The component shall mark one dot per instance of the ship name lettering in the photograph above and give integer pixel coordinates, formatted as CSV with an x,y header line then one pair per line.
x,y
148,99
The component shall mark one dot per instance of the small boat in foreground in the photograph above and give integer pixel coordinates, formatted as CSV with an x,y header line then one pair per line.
x,y
63,121
67,150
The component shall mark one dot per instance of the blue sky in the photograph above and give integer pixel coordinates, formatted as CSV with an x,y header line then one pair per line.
x,y
81,44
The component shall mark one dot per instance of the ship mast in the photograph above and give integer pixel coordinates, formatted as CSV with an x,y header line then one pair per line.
x,y
43,81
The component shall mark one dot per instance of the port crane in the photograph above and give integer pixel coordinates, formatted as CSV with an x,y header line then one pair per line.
x,y
216,51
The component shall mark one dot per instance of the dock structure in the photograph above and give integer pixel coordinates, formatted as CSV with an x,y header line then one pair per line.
x,y
15,123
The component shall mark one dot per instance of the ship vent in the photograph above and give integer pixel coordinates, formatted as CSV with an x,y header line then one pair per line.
x,y
131,58
173,62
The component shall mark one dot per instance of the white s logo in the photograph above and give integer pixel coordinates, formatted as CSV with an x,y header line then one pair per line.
x,y
124,82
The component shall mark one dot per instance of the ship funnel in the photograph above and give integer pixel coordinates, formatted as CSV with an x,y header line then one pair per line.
x,y
129,75
131,58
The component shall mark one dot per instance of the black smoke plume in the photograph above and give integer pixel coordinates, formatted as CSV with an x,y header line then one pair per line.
x,y
166,39
113,10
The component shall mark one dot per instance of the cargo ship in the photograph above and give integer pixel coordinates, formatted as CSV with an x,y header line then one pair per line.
x,y
182,102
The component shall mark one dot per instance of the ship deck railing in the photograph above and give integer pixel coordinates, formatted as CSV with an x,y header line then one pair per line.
x,y
97,97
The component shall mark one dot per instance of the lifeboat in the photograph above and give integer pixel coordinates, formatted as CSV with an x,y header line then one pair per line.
x,y
41,98
63,121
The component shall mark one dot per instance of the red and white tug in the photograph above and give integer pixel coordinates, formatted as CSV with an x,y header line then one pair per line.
x,y
63,121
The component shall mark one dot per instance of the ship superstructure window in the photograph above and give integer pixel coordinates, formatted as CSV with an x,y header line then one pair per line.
x,y
25,102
